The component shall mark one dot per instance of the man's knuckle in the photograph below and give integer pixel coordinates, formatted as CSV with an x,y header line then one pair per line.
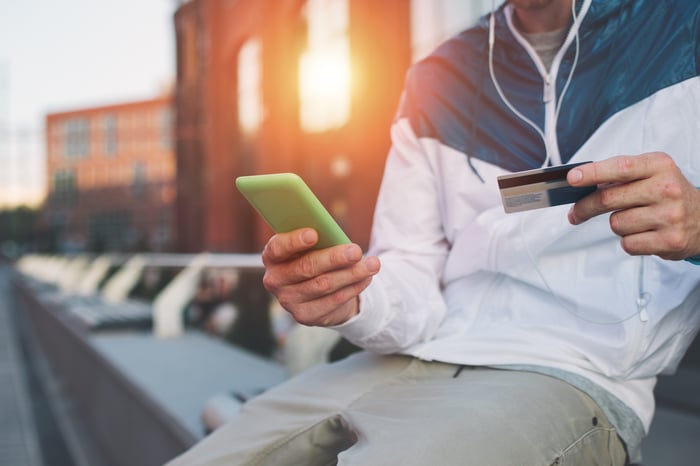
x,y
606,198
664,160
266,255
616,223
286,302
304,318
676,215
272,250
307,265
675,241
269,282
325,322
628,246
323,283
339,297
672,189
337,256
357,272
625,164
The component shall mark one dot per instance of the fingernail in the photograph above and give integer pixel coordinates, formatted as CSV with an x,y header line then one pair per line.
x,y
575,175
308,237
372,264
572,218
353,253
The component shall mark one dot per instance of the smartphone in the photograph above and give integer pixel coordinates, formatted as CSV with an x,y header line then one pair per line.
x,y
287,203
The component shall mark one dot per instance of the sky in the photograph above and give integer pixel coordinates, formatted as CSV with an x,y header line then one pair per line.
x,y
69,54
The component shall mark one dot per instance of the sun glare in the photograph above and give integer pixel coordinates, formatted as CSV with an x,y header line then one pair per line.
x,y
250,107
324,68
325,80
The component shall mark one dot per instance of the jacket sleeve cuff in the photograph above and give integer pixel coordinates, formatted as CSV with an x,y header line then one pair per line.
x,y
365,324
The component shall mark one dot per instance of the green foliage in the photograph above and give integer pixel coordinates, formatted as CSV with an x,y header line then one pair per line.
x,y
18,230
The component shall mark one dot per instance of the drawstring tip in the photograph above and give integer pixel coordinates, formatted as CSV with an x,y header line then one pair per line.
x,y
642,302
644,315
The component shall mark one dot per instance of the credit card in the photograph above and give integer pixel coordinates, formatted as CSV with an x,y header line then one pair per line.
x,y
538,188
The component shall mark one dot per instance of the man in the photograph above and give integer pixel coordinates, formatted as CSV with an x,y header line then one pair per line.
x,y
508,339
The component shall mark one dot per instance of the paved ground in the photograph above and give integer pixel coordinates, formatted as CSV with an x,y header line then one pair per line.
x,y
19,441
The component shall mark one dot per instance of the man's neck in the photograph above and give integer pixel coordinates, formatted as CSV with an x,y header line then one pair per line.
x,y
545,17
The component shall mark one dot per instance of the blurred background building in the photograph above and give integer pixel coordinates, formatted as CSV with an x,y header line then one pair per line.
x,y
260,86
307,86
111,176
283,85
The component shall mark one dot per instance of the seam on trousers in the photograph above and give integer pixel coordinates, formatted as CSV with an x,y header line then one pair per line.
x,y
609,430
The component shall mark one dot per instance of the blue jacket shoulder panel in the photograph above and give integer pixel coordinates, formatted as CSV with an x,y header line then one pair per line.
x,y
449,97
628,53
629,49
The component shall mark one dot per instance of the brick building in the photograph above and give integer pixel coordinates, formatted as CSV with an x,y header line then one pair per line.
x,y
111,175
283,85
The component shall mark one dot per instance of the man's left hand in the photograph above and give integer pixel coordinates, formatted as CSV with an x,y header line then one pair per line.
x,y
655,209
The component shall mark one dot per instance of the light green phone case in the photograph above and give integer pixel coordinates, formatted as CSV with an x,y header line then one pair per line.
x,y
286,203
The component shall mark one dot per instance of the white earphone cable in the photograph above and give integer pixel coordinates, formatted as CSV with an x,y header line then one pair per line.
x,y
506,101
644,297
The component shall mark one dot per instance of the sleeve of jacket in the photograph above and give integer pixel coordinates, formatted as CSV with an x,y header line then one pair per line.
x,y
403,305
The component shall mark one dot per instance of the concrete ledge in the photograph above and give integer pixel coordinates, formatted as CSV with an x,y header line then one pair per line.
x,y
140,397
127,425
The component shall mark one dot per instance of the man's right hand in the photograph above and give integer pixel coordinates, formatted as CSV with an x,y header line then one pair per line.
x,y
317,287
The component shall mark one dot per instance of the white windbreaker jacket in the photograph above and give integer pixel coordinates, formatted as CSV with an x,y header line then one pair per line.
x,y
463,282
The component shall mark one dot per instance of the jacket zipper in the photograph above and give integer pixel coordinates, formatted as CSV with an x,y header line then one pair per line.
x,y
549,93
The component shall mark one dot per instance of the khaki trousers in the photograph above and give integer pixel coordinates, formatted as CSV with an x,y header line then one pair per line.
x,y
397,410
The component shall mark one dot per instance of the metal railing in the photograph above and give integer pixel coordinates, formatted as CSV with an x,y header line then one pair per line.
x,y
84,275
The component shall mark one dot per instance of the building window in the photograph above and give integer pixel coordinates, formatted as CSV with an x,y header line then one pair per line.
x,y
250,107
138,181
110,134
324,69
64,190
76,137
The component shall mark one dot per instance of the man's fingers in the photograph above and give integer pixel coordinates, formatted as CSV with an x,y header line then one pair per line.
x,y
322,300
633,221
316,263
311,264
327,310
610,199
653,242
323,284
625,182
620,169
284,246
318,287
